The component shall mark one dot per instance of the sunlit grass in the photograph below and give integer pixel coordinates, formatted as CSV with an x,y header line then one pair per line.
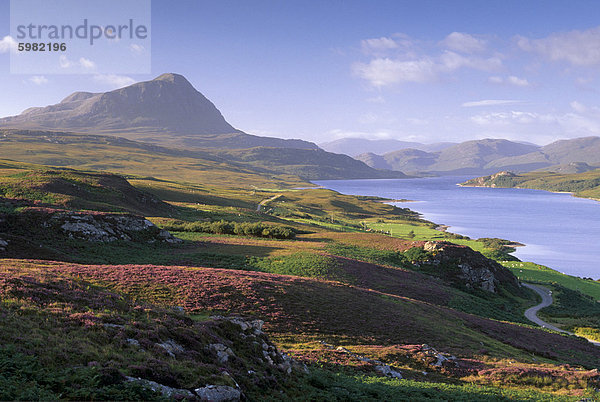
x,y
529,271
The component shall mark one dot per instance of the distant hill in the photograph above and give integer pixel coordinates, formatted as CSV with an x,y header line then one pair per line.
x,y
357,146
586,184
568,168
585,149
488,156
167,110
470,157
306,163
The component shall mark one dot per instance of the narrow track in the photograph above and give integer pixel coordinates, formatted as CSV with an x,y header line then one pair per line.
x,y
531,313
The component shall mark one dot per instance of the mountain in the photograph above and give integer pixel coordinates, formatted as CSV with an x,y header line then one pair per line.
x,y
167,110
568,168
585,149
169,117
356,146
470,157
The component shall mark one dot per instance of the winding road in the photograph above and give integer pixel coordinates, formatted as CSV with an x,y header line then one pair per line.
x,y
531,313
264,202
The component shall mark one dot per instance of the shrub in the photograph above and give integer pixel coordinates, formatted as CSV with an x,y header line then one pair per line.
x,y
254,229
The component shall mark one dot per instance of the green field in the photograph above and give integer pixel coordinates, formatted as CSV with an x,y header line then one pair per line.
x,y
531,272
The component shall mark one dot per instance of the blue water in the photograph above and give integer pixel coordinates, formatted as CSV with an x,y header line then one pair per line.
x,y
559,231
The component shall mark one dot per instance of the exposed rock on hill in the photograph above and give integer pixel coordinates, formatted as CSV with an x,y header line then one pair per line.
x,y
133,350
109,227
463,266
500,179
24,232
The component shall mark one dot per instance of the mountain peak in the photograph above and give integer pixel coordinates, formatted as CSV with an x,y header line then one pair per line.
x,y
167,110
167,104
172,77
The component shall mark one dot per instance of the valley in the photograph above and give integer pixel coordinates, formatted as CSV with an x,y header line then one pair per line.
x,y
135,269
333,281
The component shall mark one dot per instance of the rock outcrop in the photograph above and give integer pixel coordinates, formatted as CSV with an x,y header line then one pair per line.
x,y
378,365
463,266
243,343
500,179
109,227
44,232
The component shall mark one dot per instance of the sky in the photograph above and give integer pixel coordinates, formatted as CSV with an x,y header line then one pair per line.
x,y
320,70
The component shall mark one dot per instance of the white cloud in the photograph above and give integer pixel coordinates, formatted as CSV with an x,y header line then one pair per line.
x,y
64,61
505,118
113,80
464,43
453,61
384,71
491,102
510,80
84,63
375,135
377,45
579,48
8,44
581,123
578,107
519,82
137,49
87,63
38,80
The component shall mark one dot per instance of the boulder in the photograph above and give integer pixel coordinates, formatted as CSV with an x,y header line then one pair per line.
x,y
218,393
167,392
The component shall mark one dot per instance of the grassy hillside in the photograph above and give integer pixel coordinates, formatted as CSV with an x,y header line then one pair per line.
x,y
261,167
586,184
76,190
113,154
309,164
351,272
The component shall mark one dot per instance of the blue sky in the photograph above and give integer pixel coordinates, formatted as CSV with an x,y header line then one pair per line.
x,y
425,71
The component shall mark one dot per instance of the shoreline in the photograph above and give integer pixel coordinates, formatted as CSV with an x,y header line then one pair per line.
x,y
572,194
390,200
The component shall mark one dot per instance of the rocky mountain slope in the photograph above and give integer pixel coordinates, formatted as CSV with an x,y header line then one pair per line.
x,y
167,110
